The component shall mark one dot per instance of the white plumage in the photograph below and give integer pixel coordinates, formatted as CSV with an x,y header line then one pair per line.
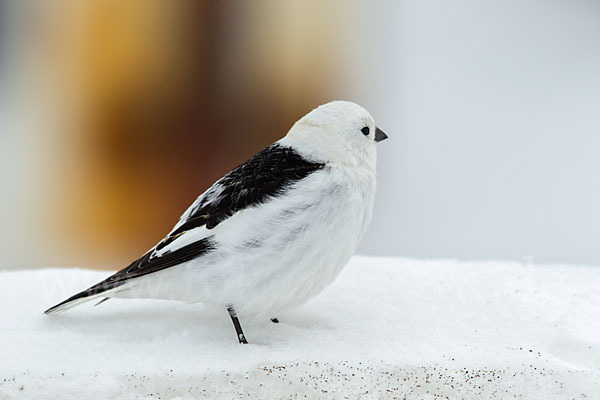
x,y
260,244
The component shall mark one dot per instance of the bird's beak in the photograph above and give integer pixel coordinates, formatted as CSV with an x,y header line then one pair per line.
x,y
379,135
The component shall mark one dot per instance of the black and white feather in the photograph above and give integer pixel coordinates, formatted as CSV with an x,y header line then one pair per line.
x,y
271,233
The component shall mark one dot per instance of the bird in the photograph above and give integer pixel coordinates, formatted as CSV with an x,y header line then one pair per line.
x,y
271,233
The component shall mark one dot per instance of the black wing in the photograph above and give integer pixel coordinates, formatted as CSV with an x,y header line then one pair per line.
x,y
267,174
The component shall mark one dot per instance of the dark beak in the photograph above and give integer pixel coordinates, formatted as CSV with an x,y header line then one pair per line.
x,y
379,135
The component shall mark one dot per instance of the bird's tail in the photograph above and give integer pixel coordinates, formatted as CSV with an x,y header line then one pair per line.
x,y
102,289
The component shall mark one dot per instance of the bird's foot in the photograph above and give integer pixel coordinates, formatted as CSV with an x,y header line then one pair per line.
x,y
236,324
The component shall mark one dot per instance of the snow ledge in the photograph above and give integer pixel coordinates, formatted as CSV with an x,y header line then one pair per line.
x,y
387,328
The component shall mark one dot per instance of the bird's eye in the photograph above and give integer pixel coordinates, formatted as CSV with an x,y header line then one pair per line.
x,y
365,131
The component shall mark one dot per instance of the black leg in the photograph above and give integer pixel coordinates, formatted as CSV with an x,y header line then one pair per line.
x,y
274,320
236,324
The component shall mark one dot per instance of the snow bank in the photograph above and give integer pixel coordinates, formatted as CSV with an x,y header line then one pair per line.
x,y
387,328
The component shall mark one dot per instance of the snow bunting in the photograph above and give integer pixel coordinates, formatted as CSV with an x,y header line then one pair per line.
x,y
273,232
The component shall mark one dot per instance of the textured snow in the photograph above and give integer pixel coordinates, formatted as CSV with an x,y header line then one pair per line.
x,y
387,328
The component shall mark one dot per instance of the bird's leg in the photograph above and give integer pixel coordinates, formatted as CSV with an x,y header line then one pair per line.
x,y
236,324
274,320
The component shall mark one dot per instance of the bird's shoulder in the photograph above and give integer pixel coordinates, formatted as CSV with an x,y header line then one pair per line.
x,y
267,174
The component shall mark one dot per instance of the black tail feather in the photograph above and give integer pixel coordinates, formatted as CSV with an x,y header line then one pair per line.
x,y
91,292
101,301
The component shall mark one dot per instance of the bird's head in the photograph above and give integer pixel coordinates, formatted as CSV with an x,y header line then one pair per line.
x,y
340,132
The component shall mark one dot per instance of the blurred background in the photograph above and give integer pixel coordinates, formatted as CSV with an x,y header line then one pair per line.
x,y
115,115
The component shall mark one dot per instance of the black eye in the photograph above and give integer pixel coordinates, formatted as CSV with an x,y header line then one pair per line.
x,y
365,130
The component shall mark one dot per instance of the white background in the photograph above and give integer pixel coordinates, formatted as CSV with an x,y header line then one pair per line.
x,y
493,114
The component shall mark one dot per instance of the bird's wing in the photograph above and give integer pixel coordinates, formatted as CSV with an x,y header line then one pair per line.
x,y
267,174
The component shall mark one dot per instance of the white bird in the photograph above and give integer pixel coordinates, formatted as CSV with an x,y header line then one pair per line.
x,y
273,232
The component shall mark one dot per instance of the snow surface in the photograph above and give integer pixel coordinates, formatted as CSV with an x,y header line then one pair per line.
x,y
387,328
